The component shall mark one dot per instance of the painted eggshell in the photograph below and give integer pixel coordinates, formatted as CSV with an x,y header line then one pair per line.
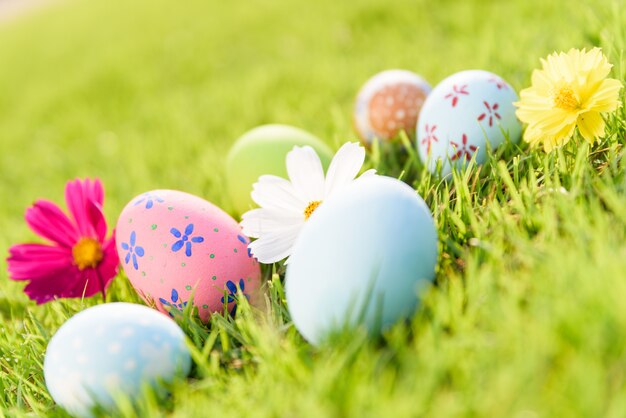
x,y
362,257
109,350
172,243
461,114
388,103
262,151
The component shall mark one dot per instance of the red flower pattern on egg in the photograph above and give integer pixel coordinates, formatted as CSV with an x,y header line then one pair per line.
x,y
430,136
456,93
463,149
500,83
492,111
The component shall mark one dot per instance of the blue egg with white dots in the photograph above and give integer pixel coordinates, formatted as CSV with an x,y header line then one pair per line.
x,y
111,350
363,258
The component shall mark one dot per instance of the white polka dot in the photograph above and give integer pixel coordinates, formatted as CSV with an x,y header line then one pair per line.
x,y
389,100
127,332
400,114
391,124
115,348
77,342
130,365
156,337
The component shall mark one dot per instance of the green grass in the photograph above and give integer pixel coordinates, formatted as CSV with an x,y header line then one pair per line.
x,y
527,317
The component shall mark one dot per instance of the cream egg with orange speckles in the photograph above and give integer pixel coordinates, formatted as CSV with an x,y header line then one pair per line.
x,y
388,103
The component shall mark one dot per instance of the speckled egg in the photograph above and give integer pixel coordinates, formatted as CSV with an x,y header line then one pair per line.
x,y
463,113
362,257
172,244
262,151
388,103
111,350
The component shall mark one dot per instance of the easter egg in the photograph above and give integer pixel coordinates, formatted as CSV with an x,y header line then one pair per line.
x,y
263,151
361,258
172,244
462,114
110,350
388,103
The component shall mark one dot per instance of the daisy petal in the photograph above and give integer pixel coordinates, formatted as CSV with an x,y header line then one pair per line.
x,y
344,167
261,221
306,173
275,246
275,192
368,173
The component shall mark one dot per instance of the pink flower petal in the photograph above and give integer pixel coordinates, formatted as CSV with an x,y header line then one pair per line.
x,y
88,285
95,191
32,261
109,266
98,223
76,199
49,287
46,219
50,269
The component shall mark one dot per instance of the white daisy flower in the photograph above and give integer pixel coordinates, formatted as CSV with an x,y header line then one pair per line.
x,y
285,205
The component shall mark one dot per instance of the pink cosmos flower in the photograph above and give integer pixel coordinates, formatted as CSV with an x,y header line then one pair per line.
x,y
79,261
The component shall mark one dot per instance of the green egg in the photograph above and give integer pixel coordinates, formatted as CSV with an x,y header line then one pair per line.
x,y
262,151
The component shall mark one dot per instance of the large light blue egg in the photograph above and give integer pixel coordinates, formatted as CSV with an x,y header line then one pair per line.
x,y
112,349
362,257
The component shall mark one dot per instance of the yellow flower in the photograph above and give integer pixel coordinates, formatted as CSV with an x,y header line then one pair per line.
x,y
571,90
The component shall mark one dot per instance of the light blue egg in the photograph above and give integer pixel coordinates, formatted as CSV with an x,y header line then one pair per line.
x,y
463,115
112,349
362,257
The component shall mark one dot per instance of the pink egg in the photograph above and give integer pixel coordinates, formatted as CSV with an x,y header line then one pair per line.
x,y
172,244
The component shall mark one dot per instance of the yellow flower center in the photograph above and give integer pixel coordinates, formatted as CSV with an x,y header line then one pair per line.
x,y
311,208
87,253
564,98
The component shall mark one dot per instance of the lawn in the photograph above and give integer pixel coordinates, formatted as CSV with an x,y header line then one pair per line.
x,y
527,315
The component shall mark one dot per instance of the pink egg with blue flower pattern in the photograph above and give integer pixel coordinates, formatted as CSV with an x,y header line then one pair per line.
x,y
173,244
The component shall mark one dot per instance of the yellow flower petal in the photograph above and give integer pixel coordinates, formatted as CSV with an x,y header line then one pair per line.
x,y
595,67
532,136
590,126
541,81
606,96
553,121
571,89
